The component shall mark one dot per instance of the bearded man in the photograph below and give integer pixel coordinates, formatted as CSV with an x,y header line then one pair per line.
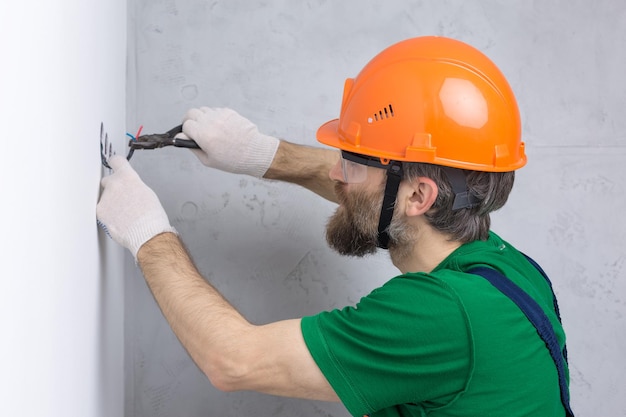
x,y
426,146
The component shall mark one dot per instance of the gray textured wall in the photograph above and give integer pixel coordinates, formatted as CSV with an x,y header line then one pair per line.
x,y
282,64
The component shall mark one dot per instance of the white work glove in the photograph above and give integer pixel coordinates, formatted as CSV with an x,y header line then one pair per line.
x,y
228,141
128,210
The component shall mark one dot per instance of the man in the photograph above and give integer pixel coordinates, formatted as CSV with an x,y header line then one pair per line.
x,y
429,134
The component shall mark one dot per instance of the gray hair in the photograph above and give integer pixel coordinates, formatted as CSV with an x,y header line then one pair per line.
x,y
491,190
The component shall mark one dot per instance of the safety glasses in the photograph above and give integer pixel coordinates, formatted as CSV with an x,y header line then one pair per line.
x,y
354,166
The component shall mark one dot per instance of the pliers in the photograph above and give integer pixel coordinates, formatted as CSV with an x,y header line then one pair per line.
x,y
159,140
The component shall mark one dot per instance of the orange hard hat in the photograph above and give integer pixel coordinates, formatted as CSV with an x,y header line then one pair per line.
x,y
434,100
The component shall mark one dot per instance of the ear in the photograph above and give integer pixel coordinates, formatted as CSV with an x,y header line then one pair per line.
x,y
421,195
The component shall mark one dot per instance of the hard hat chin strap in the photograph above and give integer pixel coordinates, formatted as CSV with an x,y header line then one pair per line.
x,y
394,176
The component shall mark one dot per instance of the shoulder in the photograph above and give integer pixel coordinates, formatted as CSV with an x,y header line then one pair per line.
x,y
405,306
409,333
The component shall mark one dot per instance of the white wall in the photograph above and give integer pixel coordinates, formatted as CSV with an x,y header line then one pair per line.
x,y
282,64
61,308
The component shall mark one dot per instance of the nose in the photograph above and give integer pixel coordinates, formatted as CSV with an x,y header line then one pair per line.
x,y
336,172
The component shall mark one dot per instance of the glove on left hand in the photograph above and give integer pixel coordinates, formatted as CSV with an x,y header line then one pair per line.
x,y
128,210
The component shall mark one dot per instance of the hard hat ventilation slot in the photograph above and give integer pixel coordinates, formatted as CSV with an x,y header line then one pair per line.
x,y
382,114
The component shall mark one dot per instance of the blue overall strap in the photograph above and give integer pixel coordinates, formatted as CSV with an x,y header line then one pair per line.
x,y
556,304
537,317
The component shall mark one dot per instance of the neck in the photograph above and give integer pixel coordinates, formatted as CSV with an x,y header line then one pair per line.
x,y
427,249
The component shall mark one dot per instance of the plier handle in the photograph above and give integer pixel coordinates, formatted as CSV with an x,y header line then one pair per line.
x,y
159,140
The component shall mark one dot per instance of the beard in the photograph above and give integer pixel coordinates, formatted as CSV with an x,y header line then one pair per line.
x,y
353,229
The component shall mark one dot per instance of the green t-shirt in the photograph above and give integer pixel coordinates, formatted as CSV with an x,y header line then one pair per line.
x,y
446,343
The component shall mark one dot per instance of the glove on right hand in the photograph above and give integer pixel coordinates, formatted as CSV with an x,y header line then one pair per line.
x,y
229,142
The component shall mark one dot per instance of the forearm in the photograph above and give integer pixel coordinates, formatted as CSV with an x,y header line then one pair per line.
x,y
205,323
234,354
306,166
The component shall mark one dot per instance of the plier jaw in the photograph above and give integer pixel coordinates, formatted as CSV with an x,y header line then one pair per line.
x,y
154,141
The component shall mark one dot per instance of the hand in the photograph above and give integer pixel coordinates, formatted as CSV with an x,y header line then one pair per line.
x,y
128,210
229,142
